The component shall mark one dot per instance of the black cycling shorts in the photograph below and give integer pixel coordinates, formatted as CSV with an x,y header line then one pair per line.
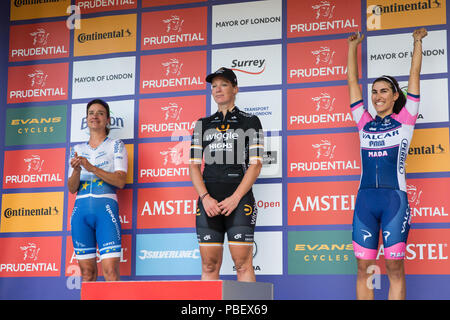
x,y
239,225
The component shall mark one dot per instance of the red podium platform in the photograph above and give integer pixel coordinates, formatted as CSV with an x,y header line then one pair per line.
x,y
176,290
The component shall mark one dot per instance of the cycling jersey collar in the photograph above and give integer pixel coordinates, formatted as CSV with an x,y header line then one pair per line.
x,y
228,114
380,119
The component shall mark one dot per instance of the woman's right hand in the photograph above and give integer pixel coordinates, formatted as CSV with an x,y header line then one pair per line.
x,y
356,38
75,162
210,206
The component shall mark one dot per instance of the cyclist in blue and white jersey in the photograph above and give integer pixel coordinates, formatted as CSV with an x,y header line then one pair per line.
x,y
97,168
382,199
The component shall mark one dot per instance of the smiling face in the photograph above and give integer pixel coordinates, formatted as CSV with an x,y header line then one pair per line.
x,y
97,117
223,91
383,98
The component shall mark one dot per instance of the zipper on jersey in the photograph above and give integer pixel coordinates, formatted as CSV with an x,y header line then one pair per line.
x,y
376,173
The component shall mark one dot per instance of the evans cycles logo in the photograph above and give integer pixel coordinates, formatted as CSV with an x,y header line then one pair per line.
x,y
35,125
321,252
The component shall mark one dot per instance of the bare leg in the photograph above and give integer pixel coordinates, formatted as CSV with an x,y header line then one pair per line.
x,y
363,291
397,283
243,260
111,269
211,261
88,268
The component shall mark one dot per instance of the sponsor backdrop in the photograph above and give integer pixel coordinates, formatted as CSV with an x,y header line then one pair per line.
x,y
149,60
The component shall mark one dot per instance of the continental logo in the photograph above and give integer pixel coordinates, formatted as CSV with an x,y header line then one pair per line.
x,y
30,212
429,151
23,212
33,9
20,3
406,6
103,35
404,13
122,33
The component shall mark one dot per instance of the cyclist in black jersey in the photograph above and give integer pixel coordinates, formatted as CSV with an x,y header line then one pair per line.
x,y
231,144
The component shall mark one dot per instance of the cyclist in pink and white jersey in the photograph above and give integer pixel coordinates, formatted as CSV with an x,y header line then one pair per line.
x,y
382,200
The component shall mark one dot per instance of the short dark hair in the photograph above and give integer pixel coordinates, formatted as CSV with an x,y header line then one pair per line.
x,y
104,104
393,84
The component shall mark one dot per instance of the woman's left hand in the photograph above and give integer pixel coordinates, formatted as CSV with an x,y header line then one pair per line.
x,y
86,164
420,33
228,205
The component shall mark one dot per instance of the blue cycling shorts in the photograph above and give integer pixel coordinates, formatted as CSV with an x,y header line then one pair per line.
x,y
385,208
95,222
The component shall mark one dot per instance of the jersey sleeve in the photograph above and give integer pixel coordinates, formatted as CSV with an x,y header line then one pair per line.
x,y
196,151
120,156
360,114
256,140
408,114
71,156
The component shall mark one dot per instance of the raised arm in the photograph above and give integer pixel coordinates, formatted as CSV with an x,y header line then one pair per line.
x,y
352,67
416,62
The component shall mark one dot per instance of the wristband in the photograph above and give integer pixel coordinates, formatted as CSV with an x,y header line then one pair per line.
x,y
203,196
